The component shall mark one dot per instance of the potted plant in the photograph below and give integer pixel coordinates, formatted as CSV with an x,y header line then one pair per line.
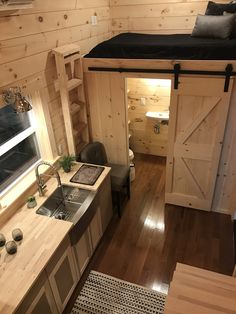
x,y
31,201
66,162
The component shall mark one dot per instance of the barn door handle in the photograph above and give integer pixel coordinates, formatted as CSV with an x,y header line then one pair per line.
x,y
176,74
228,73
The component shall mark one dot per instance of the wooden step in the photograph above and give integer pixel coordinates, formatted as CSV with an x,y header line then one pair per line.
x,y
79,129
71,58
74,108
202,297
178,306
202,273
66,50
71,84
206,284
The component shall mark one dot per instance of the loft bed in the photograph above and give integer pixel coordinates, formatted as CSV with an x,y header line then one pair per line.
x,y
209,50
171,47
167,54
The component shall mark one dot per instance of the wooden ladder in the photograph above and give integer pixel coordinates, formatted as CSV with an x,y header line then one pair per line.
x,y
70,86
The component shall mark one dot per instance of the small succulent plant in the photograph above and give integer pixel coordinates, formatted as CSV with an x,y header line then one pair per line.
x,y
66,162
31,198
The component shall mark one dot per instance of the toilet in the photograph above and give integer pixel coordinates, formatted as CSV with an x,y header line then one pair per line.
x,y
131,155
132,167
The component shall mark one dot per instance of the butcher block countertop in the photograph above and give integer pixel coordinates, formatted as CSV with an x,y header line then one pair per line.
x,y
42,236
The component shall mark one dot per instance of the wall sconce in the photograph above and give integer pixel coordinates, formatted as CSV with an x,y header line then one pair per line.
x,y
16,100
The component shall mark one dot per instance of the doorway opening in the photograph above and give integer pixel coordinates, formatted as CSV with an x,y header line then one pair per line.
x,y
148,102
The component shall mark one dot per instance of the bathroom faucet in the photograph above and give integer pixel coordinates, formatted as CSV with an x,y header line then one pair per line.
x,y
40,182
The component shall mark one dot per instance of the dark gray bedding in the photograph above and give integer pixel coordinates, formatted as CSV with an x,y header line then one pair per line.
x,y
177,46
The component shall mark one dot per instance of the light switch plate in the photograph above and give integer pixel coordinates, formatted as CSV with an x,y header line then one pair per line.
x,y
94,19
143,101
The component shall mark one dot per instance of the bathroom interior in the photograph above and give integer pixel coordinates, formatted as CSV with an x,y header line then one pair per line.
x,y
148,103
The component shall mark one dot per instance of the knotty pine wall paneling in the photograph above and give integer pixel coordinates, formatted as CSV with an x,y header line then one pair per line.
x,y
156,16
27,37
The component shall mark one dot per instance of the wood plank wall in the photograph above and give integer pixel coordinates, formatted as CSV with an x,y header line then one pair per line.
x,y
27,37
156,16
156,94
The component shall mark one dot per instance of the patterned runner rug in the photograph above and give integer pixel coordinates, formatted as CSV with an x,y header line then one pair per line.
x,y
102,294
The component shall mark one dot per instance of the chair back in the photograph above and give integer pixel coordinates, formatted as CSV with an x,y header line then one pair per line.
x,y
94,153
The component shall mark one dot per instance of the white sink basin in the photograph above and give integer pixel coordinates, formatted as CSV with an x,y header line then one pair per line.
x,y
164,115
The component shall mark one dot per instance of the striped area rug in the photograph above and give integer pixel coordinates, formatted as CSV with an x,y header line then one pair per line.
x,y
102,294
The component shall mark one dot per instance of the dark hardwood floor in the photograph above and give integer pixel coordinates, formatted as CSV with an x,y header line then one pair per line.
x,y
144,245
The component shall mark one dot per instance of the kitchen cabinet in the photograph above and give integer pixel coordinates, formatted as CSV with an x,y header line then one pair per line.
x,y
105,202
40,298
63,274
83,251
95,229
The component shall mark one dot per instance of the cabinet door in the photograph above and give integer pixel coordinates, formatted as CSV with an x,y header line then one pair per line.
x,y
83,251
95,229
105,202
63,278
42,303
39,300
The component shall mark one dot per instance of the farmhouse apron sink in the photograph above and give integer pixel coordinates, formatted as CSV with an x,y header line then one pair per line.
x,y
64,202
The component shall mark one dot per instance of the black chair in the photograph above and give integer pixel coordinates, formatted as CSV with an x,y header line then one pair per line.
x,y
95,153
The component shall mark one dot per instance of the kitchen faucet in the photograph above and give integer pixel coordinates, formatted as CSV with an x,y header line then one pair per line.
x,y
40,182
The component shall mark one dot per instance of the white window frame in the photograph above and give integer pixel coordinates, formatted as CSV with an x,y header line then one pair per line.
x,y
42,127
14,141
4,148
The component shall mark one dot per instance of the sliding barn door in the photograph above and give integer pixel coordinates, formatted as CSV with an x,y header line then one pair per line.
x,y
198,114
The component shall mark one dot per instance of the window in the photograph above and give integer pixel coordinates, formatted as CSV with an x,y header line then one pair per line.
x,y
18,145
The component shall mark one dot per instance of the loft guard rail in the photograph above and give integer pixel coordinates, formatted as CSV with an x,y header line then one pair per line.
x,y
228,73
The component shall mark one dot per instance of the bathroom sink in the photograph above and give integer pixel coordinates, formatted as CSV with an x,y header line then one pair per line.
x,y
64,202
160,116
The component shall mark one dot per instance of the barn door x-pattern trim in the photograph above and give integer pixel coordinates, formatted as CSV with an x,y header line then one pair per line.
x,y
182,139
188,132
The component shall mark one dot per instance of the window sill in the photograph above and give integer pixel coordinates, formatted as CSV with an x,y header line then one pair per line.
x,y
16,190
